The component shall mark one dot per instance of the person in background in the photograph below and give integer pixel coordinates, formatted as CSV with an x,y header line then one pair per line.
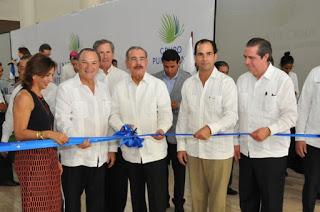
x,y
223,67
38,170
115,63
7,126
116,176
174,78
70,69
6,174
23,51
294,161
45,49
286,64
3,104
3,83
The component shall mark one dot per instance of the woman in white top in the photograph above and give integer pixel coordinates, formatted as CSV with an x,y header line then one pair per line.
x,y
286,64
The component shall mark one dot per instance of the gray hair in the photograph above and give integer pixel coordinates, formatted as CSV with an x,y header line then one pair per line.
x,y
135,48
103,41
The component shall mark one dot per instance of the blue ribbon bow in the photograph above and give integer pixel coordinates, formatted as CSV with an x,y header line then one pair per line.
x,y
129,136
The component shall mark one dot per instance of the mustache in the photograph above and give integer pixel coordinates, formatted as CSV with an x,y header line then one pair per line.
x,y
138,66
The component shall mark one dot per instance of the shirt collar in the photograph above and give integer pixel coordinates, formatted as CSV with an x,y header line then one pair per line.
x,y
269,72
110,69
78,81
146,79
167,78
214,74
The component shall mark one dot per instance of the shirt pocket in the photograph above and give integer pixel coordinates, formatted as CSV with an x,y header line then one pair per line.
x,y
214,104
270,105
80,109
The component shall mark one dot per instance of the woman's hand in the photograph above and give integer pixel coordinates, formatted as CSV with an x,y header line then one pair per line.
x,y
58,137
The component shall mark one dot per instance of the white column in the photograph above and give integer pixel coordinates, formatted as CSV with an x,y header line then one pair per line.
x,y
27,12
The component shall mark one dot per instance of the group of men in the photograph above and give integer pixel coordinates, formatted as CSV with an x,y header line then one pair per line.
x,y
101,98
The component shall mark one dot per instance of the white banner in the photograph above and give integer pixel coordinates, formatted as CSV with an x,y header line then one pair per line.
x,y
153,25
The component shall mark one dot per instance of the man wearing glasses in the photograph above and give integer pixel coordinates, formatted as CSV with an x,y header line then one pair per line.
x,y
143,101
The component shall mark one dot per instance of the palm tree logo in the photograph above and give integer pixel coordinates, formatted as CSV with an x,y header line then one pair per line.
x,y
170,28
74,42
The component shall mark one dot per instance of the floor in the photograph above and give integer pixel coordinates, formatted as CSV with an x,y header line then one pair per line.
x,y
10,196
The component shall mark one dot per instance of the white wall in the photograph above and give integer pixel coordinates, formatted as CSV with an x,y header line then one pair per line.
x,y
288,24
44,9
139,25
9,10
48,9
5,55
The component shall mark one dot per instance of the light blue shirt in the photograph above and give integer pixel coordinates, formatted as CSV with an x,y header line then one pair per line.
x,y
169,82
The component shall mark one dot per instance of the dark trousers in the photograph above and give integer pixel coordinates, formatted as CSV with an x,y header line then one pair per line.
x,y
77,179
295,162
117,185
179,172
261,181
6,172
311,178
154,174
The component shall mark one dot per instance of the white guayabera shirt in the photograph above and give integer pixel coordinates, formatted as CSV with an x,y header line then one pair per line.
x,y
267,102
309,108
81,113
215,105
147,106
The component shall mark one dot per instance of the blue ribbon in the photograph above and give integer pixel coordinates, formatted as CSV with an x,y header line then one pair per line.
x,y
129,137
126,135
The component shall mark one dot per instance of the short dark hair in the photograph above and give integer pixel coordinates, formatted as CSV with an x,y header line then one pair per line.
x,y
202,41
38,65
170,55
220,63
88,50
24,51
264,47
286,59
44,46
103,41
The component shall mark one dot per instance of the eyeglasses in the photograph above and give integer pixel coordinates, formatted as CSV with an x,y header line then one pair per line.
x,y
136,59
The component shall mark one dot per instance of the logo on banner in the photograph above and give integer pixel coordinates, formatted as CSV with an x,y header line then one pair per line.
x,y
170,28
74,42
